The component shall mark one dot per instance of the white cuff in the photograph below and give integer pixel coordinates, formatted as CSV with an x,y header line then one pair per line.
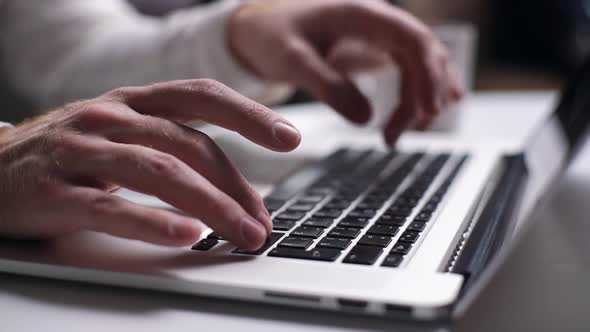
x,y
5,124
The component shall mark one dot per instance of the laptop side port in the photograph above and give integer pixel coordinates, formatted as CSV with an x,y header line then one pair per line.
x,y
291,297
348,304
398,310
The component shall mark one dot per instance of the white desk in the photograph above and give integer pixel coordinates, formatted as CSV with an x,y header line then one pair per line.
x,y
543,286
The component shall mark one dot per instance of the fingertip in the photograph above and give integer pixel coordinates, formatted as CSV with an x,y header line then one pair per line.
x,y
458,92
185,232
286,134
391,134
253,234
264,219
424,123
357,108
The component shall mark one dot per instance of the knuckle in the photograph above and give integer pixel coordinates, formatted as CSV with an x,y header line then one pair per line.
x,y
91,111
424,41
257,112
207,87
204,141
101,114
162,163
102,204
65,146
46,185
121,93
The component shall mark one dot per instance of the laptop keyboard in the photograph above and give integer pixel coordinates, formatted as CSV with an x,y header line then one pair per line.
x,y
356,207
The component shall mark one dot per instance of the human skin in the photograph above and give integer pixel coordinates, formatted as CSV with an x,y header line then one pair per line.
x,y
57,171
298,42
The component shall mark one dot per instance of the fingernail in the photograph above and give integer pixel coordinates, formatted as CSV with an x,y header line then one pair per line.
x,y
286,133
253,232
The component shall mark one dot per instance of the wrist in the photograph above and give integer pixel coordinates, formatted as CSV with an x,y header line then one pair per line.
x,y
237,35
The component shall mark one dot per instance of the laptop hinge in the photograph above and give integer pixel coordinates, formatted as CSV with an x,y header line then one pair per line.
x,y
495,222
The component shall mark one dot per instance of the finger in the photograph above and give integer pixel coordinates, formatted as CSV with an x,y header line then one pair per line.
x,y
199,152
156,173
212,102
457,87
106,213
408,110
424,123
355,57
396,31
315,75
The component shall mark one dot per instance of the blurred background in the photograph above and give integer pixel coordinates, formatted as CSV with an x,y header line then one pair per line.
x,y
520,44
514,44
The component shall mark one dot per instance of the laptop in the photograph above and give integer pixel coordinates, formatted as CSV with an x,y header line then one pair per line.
x,y
409,233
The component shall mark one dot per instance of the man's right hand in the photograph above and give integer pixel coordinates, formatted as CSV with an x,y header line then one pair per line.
x,y
57,170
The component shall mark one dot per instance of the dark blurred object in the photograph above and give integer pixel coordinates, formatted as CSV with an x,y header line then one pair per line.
x,y
542,33
163,7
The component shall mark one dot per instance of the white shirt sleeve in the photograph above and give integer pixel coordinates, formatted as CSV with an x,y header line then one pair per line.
x,y
56,51
5,124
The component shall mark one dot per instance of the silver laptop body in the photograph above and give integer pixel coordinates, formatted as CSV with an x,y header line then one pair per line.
x,y
413,233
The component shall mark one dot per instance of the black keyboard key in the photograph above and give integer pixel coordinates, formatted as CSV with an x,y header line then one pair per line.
x,y
336,243
399,210
338,204
318,222
401,248
423,216
205,244
215,236
376,199
317,254
409,236
388,230
327,213
320,191
282,225
296,242
347,196
272,239
429,207
366,255
398,213
291,216
406,201
311,199
388,219
354,222
366,213
392,260
369,205
375,240
347,233
301,208
273,204
416,226
306,231
436,198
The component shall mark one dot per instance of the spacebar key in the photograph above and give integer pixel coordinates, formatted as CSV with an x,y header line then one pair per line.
x,y
318,254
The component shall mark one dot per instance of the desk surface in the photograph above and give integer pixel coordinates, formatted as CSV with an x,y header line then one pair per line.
x,y
543,286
